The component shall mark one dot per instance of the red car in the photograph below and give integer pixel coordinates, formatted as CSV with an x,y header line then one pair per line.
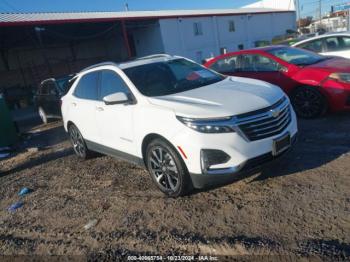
x,y
314,83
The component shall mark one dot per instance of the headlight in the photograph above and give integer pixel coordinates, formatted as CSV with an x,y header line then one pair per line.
x,y
217,125
342,77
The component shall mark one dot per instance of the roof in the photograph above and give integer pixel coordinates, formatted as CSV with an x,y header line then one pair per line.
x,y
9,19
280,4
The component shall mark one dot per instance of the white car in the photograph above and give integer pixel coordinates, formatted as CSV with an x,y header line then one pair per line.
x,y
188,125
333,44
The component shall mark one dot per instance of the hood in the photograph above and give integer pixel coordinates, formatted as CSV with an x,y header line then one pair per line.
x,y
334,64
232,96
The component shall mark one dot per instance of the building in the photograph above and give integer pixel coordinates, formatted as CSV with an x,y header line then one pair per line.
x,y
40,45
329,24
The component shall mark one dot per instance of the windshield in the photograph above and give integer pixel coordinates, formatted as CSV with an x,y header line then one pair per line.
x,y
297,56
170,77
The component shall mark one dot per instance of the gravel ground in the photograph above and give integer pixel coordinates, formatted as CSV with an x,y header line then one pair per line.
x,y
295,209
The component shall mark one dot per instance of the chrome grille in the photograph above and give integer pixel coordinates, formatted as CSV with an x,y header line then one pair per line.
x,y
265,122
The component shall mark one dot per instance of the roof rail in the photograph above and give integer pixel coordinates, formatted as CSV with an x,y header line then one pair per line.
x,y
154,56
97,65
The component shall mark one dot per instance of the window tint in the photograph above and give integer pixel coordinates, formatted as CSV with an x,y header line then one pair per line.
x,y
258,63
315,46
332,44
112,83
87,86
346,42
226,65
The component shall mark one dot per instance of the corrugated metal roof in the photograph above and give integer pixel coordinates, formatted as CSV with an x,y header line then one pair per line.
x,y
7,19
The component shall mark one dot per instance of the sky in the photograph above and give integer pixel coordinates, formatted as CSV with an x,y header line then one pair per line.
x,y
308,7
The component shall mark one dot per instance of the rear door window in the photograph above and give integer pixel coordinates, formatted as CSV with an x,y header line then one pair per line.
x,y
345,42
315,46
112,83
226,65
333,44
258,63
87,86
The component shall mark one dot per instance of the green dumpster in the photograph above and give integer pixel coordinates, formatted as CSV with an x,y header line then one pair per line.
x,y
8,133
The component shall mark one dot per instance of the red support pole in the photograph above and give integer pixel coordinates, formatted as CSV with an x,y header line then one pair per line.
x,y
126,39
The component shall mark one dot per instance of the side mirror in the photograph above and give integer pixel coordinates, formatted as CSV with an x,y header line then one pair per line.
x,y
116,98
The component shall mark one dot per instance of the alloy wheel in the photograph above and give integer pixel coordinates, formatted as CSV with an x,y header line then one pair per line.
x,y
42,115
77,141
164,169
308,103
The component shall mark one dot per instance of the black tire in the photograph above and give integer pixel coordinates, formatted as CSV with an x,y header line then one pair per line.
x,y
308,102
78,142
168,171
42,115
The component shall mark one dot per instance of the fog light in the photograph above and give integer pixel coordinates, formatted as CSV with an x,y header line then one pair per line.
x,y
211,157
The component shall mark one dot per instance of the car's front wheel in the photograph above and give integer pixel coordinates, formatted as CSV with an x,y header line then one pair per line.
x,y
167,169
42,115
308,102
78,142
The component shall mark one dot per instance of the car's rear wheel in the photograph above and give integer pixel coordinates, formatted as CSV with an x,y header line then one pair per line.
x,y
308,102
42,115
167,169
78,142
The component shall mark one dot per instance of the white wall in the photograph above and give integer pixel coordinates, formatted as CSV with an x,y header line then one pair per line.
x,y
148,40
179,39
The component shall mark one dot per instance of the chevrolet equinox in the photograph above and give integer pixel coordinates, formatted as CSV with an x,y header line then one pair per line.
x,y
189,126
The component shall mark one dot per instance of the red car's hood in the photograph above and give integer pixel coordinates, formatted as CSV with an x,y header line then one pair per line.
x,y
334,64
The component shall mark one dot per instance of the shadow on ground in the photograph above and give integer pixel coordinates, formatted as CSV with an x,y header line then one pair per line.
x,y
42,159
320,141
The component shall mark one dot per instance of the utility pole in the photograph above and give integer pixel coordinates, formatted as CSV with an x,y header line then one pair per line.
x,y
299,15
320,13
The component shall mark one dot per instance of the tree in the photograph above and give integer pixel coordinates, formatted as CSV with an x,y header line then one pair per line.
x,y
303,22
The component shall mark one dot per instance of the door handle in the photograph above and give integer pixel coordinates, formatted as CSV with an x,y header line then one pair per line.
x,y
74,104
99,109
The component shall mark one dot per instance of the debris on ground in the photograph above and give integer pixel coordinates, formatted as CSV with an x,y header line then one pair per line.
x,y
33,149
91,224
25,191
15,206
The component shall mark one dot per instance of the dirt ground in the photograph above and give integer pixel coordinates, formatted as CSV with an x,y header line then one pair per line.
x,y
295,209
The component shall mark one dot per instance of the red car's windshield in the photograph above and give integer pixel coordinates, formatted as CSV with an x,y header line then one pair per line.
x,y
297,56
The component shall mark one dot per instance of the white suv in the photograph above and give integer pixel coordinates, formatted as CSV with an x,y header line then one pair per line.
x,y
188,125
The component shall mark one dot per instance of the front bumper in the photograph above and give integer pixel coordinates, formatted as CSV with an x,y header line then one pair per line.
x,y
254,164
338,95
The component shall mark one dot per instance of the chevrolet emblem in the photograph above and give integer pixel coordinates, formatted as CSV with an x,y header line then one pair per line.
x,y
275,112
